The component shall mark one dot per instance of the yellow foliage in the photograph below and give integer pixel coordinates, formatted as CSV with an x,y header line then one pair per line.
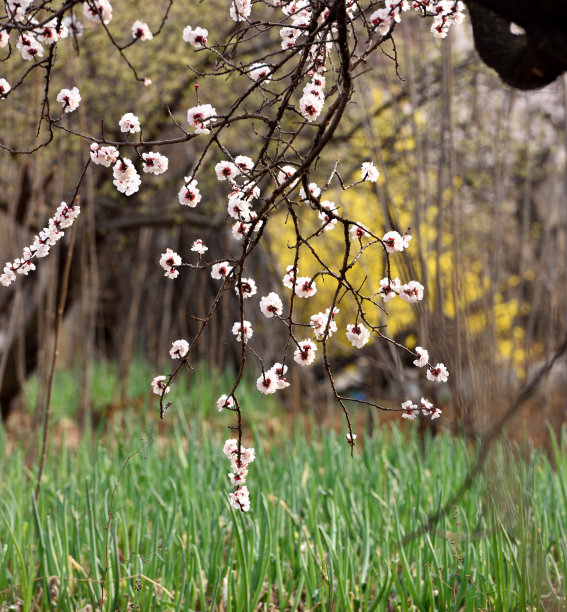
x,y
469,298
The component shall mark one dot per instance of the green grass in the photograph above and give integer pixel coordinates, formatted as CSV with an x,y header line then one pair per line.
x,y
325,531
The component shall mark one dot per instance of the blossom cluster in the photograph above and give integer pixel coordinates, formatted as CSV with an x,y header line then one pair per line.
x,y
324,323
240,10
40,247
446,13
240,458
273,379
411,410
313,99
126,177
236,172
35,34
437,373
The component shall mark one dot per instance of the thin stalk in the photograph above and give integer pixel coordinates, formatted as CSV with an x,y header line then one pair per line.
x,y
58,323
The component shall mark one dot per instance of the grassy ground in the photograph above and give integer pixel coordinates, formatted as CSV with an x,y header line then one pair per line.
x,y
325,531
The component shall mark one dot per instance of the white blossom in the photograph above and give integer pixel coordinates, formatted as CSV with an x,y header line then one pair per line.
x,y
393,242
98,10
357,335
267,383
289,277
305,353
141,31
189,194
17,9
412,292
74,26
406,238
129,123
4,88
29,47
305,287
311,106
103,156
411,410
48,33
227,402
285,173
200,117
438,374
155,163
271,305
389,289
259,72
240,10
220,269
422,357
63,218
126,179
158,385
179,349
279,371
244,164
70,99
357,232
240,499
169,262
199,247
247,287
248,331
329,221
314,190
4,38
369,172
226,170
195,37
324,320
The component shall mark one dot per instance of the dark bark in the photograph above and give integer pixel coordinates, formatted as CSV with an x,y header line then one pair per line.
x,y
525,61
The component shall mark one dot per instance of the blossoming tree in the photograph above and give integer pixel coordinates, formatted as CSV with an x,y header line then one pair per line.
x,y
294,89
